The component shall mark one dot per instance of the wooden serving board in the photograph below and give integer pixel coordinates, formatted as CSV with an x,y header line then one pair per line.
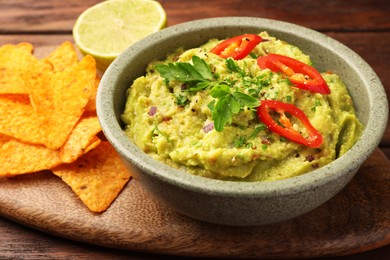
x,y
355,220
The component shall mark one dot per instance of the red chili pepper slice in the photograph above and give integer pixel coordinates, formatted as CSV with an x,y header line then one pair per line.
x,y
237,47
296,71
314,139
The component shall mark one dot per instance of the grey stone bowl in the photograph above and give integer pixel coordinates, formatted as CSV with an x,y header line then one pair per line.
x,y
236,203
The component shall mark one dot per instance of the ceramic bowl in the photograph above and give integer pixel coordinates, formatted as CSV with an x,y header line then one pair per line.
x,y
237,203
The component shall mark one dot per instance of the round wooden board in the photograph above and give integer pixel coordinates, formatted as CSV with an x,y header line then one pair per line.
x,y
356,220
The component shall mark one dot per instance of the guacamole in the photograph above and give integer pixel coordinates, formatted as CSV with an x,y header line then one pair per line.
x,y
196,128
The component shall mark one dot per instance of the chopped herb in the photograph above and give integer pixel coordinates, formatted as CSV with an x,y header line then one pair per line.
x,y
257,130
248,81
254,56
232,66
181,100
264,79
239,141
317,103
276,94
286,80
156,132
243,141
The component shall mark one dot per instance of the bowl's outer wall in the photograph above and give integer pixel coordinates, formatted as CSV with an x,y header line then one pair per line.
x,y
242,208
231,210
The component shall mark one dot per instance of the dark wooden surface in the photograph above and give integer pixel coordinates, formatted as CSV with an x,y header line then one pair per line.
x,y
364,26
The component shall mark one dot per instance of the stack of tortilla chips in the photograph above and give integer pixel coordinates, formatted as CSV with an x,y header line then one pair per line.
x,y
48,122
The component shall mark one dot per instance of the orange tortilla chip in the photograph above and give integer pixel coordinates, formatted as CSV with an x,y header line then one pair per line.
x,y
14,55
19,158
63,57
23,99
17,61
72,90
25,46
91,106
97,177
93,143
59,100
18,120
11,81
82,139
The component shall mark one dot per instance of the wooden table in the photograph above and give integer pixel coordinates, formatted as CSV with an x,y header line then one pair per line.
x,y
364,26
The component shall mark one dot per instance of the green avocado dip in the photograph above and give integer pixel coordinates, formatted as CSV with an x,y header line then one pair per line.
x,y
197,111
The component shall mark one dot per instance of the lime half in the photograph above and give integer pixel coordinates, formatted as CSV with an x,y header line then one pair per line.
x,y
105,30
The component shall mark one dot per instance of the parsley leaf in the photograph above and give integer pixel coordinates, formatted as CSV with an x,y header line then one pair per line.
x,y
246,100
202,67
222,112
220,90
228,104
198,86
186,72
232,66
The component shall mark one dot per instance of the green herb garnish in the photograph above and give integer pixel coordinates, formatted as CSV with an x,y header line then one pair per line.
x,y
243,141
197,75
228,104
181,100
156,132
240,141
233,67
317,103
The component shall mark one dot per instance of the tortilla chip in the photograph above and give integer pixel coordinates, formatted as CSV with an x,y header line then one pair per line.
x,y
19,158
93,143
96,178
91,106
63,57
16,55
26,47
72,92
59,100
15,62
24,99
11,81
18,120
81,139
19,68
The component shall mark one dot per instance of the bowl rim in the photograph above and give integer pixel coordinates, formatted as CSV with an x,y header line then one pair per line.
x,y
362,149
